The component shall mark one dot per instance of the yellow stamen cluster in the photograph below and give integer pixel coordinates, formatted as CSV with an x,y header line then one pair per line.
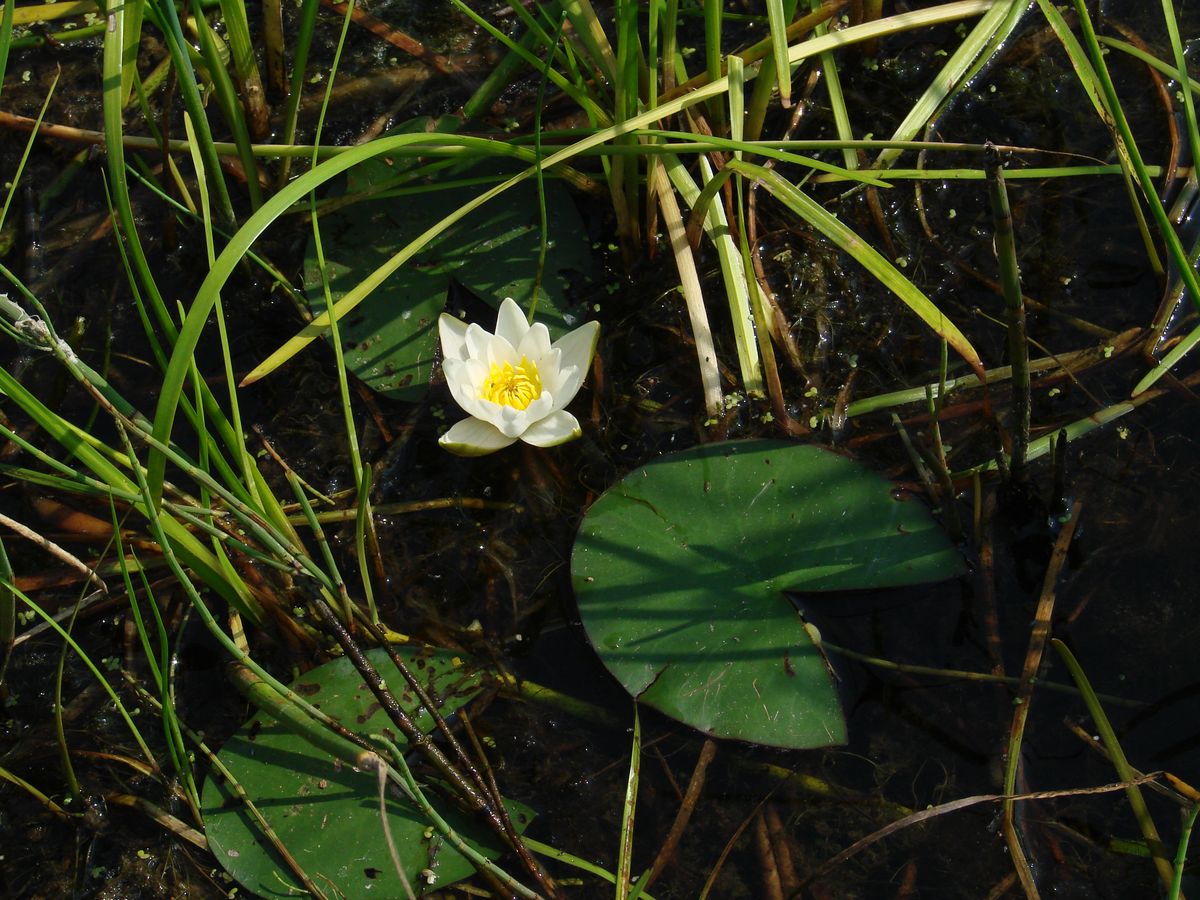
x,y
516,386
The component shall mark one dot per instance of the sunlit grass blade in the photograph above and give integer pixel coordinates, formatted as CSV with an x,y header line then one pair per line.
x,y
837,99
1090,81
1185,837
777,22
732,273
6,27
693,295
1185,346
89,452
623,170
157,655
189,93
597,114
227,97
629,812
887,274
713,59
118,184
951,75
245,67
132,25
300,49
330,168
590,32
737,101
1167,231
1108,737
1181,76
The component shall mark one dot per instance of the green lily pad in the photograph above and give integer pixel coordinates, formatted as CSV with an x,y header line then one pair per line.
x,y
680,571
391,337
325,812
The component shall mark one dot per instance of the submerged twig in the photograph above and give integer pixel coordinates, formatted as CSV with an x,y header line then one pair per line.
x,y
708,752
1010,280
1033,663
954,806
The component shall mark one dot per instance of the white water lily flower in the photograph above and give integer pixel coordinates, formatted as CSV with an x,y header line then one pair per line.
x,y
514,383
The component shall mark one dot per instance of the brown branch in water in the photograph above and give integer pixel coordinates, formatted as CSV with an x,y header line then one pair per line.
x,y
695,785
1033,663
443,65
476,792
772,886
782,848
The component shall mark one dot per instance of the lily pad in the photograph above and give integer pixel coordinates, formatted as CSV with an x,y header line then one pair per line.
x,y
325,812
680,571
390,339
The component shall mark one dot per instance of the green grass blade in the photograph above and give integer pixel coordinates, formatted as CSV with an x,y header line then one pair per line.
x,y
1181,76
300,51
576,92
777,22
1167,231
629,812
1174,355
1108,737
837,99
887,274
590,33
1185,837
245,67
1090,81
84,448
226,95
132,38
189,93
713,21
6,27
732,272
950,76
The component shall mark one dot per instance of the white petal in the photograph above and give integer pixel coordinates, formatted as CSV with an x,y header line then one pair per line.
x,y
541,407
557,428
566,386
453,332
464,379
536,342
548,365
497,351
511,323
510,420
477,341
577,349
471,437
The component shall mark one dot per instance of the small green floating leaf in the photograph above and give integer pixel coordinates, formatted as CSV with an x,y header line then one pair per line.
x,y
390,339
325,812
680,570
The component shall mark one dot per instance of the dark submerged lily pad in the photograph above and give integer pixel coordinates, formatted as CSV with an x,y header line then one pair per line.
x,y
390,339
327,813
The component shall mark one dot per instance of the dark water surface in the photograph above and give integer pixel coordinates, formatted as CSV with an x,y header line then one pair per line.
x,y
496,582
